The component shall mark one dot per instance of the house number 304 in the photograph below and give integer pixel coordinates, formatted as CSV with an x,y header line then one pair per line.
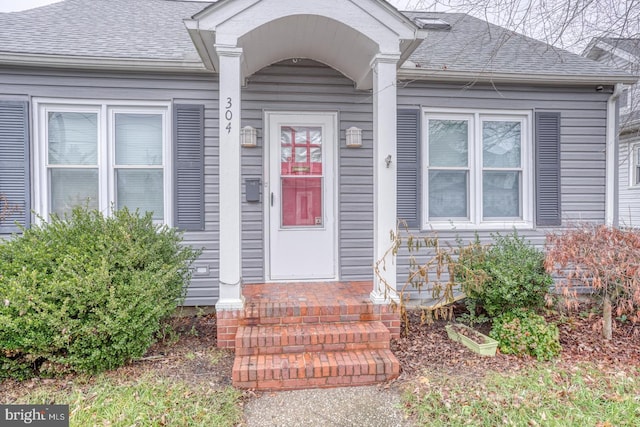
x,y
228,115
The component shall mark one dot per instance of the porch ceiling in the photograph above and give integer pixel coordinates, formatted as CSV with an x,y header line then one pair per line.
x,y
344,34
313,37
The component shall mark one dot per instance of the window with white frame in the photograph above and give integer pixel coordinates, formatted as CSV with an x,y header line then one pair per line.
x,y
625,100
103,155
478,170
634,172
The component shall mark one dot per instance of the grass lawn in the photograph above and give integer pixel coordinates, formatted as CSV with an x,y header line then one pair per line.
x,y
543,395
145,401
184,381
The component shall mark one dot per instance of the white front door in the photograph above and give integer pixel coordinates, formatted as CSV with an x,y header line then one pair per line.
x,y
301,232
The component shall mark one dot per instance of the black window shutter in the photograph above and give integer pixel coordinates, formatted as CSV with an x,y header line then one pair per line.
x,y
189,166
408,140
547,130
14,164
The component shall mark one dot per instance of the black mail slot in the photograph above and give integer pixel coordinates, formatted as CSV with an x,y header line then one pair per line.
x,y
252,189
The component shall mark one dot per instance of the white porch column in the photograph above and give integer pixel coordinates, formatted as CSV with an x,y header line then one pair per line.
x,y
230,187
384,171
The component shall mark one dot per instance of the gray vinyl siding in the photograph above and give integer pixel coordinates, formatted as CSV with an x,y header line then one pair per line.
x,y
185,89
583,138
310,86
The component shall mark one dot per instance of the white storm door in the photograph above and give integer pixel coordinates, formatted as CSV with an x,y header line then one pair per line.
x,y
301,198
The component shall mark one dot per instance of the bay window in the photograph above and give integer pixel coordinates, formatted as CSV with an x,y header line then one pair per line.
x,y
102,155
478,170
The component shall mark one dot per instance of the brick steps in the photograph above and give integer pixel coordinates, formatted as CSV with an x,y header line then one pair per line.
x,y
315,369
293,313
297,338
309,335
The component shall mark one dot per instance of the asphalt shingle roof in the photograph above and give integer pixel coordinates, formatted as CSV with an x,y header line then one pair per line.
x,y
153,30
474,45
142,29
631,46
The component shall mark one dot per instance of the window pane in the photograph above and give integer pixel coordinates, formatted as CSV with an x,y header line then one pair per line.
x,y
73,187
636,160
501,194
285,155
448,194
624,98
301,155
138,139
73,138
448,142
304,156
316,155
501,143
285,135
307,135
301,202
140,189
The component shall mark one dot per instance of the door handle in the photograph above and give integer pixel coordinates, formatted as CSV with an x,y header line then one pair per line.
x,y
272,198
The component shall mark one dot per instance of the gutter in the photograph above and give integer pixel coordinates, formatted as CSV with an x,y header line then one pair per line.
x,y
101,63
424,74
611,161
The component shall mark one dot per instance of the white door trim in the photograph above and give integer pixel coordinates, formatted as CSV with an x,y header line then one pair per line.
x,y
267,144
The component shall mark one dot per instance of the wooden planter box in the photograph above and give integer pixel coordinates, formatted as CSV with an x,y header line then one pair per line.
x,y
472,339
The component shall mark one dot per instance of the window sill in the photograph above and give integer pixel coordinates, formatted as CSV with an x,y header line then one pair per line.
x,y
483,226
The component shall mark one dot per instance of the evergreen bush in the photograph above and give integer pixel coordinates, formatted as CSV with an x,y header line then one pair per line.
x,y
87,293
507,275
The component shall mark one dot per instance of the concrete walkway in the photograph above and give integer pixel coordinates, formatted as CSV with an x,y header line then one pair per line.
x,y
343,407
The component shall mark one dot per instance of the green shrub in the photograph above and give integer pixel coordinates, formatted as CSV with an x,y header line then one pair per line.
x,y
87,293
524,332
504,276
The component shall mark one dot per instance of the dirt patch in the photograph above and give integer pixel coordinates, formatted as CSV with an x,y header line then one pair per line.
x,y
189,353
192,355
426,348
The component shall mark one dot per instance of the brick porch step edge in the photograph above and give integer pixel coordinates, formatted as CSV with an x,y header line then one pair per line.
x,y
264,313
315,370
273,339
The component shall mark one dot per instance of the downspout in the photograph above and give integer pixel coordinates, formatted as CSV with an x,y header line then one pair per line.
x,y
611,162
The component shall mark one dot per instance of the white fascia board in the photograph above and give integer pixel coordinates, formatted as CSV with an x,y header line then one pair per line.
x,y
203,42
406,28
410,46
232,19
100,63
480,77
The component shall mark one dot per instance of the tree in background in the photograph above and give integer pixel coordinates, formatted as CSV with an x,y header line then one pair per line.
x,y
567,24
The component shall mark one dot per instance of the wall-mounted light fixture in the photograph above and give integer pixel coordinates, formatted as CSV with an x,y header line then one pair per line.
x,y
354,137
248,137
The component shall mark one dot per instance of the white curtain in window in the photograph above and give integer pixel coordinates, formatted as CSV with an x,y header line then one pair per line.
x,y
448,194
501,144
448,143
73,187
140,189
501,194
138,139
72,138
